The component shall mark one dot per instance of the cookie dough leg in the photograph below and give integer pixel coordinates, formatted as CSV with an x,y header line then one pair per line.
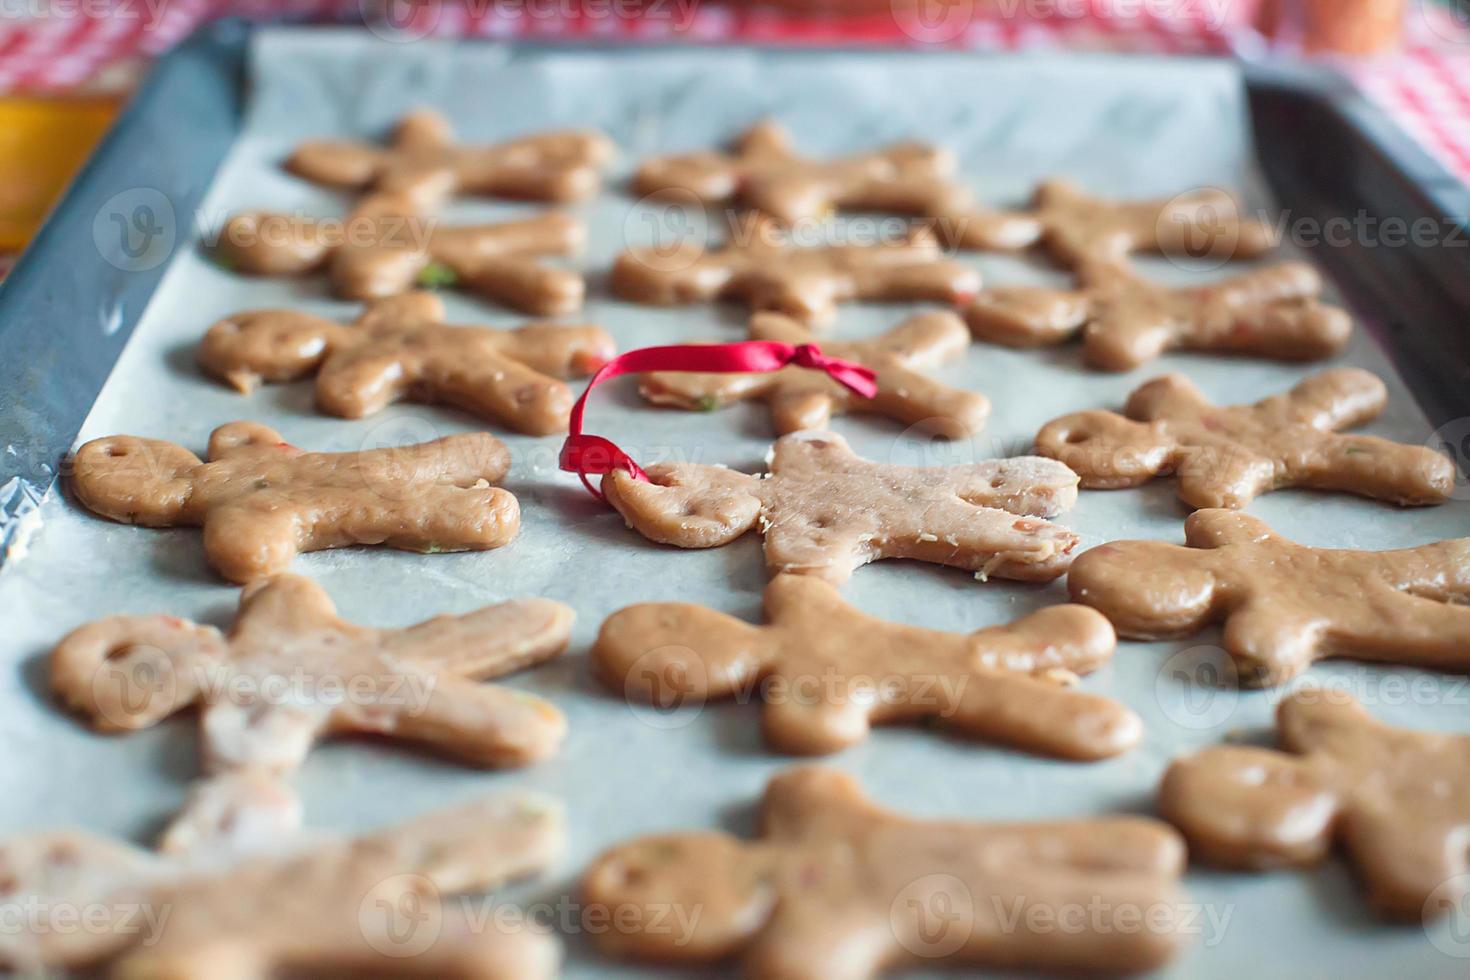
x,y
526,285
1039,716
483,724
1404,862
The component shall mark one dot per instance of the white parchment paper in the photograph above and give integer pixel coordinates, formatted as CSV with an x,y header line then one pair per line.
x,y
1135,127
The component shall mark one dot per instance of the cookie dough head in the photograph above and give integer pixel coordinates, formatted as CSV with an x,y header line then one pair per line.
x,y
706,889
135,481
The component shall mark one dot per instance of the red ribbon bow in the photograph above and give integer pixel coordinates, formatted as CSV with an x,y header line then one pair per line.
x,y
589,455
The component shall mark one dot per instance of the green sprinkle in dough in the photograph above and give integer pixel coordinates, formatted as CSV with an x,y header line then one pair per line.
x,y
709,403
1355,450
437,275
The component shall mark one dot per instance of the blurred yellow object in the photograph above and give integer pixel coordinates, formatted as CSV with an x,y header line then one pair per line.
x,y
43,142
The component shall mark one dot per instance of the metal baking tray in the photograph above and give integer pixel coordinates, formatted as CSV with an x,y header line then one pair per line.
x,y
98,320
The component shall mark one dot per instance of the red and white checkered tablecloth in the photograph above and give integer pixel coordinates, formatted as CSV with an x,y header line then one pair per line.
x,y
1426,87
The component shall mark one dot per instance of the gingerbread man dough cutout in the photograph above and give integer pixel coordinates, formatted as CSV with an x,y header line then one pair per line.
x,y
401,348
1225,456
376,905
385,247
290,671
764,173
261,501
826,511
1284,605
1079,229
827,672
1397,800
839,888
802,399
422,162
758,266
1126,320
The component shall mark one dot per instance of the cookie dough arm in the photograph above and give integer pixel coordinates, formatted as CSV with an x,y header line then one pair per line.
x,y
526,285
1064,637
917,400
943,281
1405,859
1041,716
482,724
1376,468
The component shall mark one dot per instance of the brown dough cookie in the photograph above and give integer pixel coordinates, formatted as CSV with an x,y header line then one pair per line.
x,y
838,888
1126,320
758,266
290,671
1079,229
385,247
1395,799
803,399
261,501
401,348
764,173
422,161
1284,605
376,905
825,511
827,672
1225,456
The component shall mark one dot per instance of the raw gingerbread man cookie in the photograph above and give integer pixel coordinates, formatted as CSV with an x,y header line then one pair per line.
x,y
379,904
1126,320
1225,456
386,247
1397,800
839,888
261,501
826,511
290,671
422,162
765,173
802,399
401,348
758,266
1284,605
826,672
1080,229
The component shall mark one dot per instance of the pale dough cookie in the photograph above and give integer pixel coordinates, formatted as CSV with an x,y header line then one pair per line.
x,y
1225,456
385,247
804,399
1126,320
837,888
381,904
261,501
826,511
290,672
759,267
422,161
827,672
1079,229
1396,800
764,173
401,348
1284,605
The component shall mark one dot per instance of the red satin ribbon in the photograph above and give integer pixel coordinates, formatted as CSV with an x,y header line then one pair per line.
x,y
588,455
